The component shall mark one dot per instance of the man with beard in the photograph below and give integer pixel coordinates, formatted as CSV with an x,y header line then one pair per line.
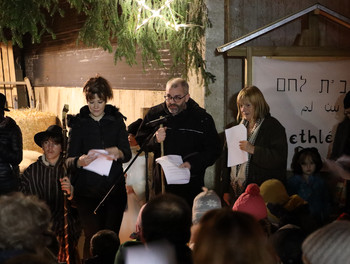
x,y
188,131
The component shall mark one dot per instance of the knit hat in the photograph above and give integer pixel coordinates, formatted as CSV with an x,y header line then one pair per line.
x,y
134,126
203,202
329,244
273,192
347,100
251,202
3,102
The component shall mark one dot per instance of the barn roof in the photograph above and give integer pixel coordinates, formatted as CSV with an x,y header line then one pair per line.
x,y
320,9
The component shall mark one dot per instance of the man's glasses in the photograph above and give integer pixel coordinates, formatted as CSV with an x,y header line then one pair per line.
x,y
176,98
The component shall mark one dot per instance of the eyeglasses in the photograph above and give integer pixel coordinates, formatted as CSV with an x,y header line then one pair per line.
x,y
176,98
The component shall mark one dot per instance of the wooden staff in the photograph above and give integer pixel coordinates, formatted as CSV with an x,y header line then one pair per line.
x,y
65,198
161,170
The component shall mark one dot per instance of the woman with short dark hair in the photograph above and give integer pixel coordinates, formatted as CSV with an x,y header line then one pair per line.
x,y
98,126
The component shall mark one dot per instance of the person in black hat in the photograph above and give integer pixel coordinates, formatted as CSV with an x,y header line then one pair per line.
x,y
47,179
341,143
11,152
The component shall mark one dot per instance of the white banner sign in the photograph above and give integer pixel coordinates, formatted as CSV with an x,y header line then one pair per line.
x,y
306,97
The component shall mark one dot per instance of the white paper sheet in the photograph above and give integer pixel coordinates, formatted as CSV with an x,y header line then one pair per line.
x,y
172,172
102,164
153,253
235,154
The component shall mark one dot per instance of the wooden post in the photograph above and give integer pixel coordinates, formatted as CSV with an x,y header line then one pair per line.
x,y
161,170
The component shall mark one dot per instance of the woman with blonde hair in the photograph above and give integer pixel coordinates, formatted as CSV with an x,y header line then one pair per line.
x,y
266,142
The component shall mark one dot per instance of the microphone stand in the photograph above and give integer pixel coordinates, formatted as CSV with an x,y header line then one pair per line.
x,y
127,168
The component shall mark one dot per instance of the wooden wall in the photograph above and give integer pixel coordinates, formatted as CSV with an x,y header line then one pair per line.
x,y
58,69
72,67
130,102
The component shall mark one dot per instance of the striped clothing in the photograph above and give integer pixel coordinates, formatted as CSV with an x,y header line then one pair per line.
x,y
42,180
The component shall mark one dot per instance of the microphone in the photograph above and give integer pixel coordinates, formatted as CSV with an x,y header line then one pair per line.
x,y
158,121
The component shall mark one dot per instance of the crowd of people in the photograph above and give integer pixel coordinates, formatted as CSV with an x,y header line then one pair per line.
x,y
261,215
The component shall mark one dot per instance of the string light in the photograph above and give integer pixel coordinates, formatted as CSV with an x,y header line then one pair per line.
x,y
157,14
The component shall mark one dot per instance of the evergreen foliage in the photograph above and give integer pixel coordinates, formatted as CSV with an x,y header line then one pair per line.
x,y
178,26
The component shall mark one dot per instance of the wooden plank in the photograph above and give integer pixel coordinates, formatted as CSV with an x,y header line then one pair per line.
x,y
12,73
30,93
139,103
1,65
125,104
249,67
6,69
290,51
6,75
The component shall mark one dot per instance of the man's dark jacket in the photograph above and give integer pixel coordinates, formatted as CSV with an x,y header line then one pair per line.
x,y
190,134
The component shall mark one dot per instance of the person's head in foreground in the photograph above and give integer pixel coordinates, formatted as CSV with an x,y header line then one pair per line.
x,y
166,217
329,244
227,236
104,244
25,225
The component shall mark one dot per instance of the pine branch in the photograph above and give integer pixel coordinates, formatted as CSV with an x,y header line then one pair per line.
x,y
149,26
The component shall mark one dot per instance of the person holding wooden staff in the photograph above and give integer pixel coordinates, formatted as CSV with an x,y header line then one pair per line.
x,y
188,130
47,179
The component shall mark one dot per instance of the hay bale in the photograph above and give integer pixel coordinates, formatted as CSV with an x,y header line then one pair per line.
x,y
29,157
32,121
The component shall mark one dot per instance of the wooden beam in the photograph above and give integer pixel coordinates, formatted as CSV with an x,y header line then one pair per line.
x,y
290,52
335,19
249,69
265,29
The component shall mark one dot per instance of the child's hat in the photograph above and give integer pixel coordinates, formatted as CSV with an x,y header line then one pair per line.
x,y
251,202
203,202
